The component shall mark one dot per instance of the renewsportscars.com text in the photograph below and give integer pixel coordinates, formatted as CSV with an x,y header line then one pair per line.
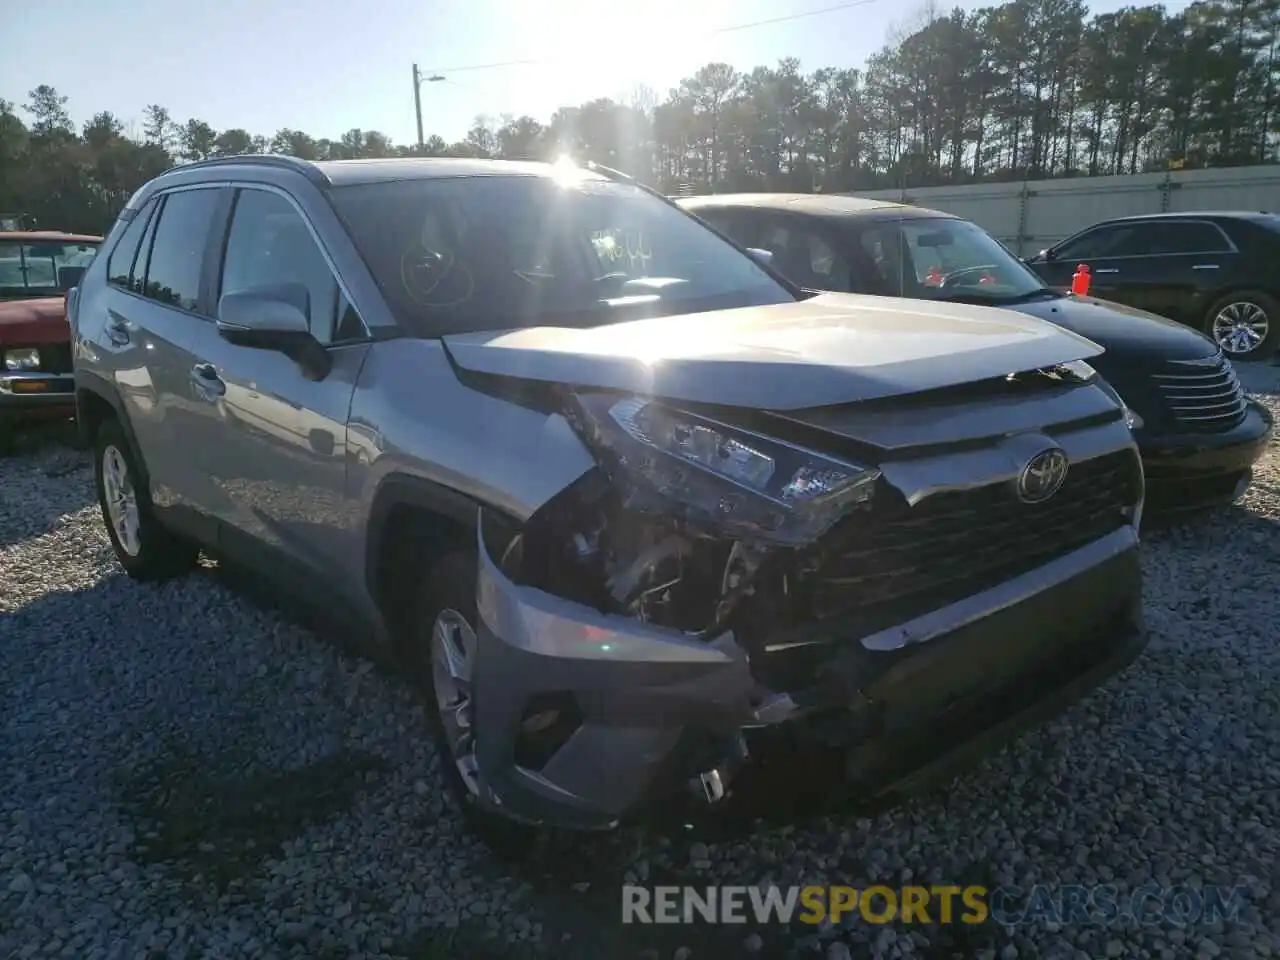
x,y
945,904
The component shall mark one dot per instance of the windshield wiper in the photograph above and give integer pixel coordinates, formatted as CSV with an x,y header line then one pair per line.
x,y
973,296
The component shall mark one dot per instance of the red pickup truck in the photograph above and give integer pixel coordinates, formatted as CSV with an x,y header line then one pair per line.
x,y
37,268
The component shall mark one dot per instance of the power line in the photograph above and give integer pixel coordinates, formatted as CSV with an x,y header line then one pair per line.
x,y
532,61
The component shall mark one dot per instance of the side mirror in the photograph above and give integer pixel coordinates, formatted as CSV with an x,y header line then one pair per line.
x,y
274,318
764,257
69,277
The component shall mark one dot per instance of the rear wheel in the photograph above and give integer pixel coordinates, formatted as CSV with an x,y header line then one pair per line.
x,y
145,549
442,660
1245,324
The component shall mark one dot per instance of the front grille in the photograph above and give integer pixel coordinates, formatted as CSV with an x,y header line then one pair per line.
x,y
1202,394
55,358
903,561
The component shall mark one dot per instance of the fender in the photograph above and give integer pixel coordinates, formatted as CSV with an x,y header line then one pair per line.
x,y
404,489
91,384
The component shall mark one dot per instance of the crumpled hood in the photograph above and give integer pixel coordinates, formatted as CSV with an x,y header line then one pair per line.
x,y
1124,332
34,322
833,348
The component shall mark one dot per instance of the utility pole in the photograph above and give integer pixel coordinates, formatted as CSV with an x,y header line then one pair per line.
x,y
417,100
418,81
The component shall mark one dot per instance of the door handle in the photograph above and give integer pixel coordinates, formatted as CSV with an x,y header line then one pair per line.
x,y
117,331
1108,270
204,377
1205,266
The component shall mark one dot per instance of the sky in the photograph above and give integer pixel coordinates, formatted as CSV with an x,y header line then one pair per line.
x,y
325,66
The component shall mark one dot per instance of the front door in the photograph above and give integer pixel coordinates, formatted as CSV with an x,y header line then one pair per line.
x,y
273,442
1173,267
1101,249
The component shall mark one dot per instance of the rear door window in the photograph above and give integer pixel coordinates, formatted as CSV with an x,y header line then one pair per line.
x,y
804,255
1184,237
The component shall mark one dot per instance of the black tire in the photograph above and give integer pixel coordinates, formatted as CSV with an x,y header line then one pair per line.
x,y
159,554
1256,298
451,585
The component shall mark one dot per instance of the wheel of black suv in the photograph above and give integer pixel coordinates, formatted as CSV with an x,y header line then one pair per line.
x,y
145,549
1245,324
442,657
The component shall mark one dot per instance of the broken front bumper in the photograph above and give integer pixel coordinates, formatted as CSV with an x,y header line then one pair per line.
x,y
642,710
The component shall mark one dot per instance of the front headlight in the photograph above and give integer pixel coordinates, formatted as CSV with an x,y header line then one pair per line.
x,y
26,358
744,483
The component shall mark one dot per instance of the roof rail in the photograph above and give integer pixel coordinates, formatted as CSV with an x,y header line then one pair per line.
x,y
618,176
278,160
609,172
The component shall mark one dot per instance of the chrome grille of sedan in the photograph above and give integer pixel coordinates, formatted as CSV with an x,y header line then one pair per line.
x,y
1202,394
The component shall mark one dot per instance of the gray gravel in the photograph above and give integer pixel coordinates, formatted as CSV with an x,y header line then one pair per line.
x,y
186,773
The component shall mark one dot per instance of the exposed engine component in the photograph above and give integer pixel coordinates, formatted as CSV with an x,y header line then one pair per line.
x,y
588,547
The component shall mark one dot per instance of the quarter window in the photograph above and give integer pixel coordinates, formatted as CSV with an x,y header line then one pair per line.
x,y
177,249
269,244
120,263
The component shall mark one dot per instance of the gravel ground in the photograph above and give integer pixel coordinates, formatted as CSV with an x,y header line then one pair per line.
x,y
189,773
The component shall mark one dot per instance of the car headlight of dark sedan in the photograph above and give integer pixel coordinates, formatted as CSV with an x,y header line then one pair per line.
x,y
740,482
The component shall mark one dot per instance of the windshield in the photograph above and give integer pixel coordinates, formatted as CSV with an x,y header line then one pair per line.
x,y
30,269
939,259
463,254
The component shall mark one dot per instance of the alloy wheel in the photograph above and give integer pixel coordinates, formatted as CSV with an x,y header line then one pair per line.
x,y
453,649
1240,327
122,500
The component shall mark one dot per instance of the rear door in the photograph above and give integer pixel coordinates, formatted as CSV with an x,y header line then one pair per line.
x,y
158,301
805,249
1174,267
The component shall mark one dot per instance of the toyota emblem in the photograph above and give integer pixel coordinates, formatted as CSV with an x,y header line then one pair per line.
x,y
1042,476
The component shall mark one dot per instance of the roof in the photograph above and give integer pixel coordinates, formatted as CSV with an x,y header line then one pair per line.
x,y
1186,214
345,172
813,204
39,236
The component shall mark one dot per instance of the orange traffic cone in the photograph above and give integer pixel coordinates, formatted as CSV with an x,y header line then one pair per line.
x,y
1080,281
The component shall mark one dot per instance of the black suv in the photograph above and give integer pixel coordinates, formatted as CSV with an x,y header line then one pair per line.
x,y
1217,272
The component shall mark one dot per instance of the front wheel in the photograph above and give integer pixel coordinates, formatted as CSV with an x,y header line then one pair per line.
x,y
1245,324
442,662
145,549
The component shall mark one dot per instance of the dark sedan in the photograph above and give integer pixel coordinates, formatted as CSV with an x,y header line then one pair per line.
x,y
1198,433
1217,272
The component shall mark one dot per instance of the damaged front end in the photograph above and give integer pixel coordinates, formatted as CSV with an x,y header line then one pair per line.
x,y
707,580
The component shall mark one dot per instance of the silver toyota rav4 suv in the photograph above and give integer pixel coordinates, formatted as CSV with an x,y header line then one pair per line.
x,y
627,505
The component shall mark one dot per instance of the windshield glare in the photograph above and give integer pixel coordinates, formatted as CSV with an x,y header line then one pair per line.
x,y
481,253
939,259
31,268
